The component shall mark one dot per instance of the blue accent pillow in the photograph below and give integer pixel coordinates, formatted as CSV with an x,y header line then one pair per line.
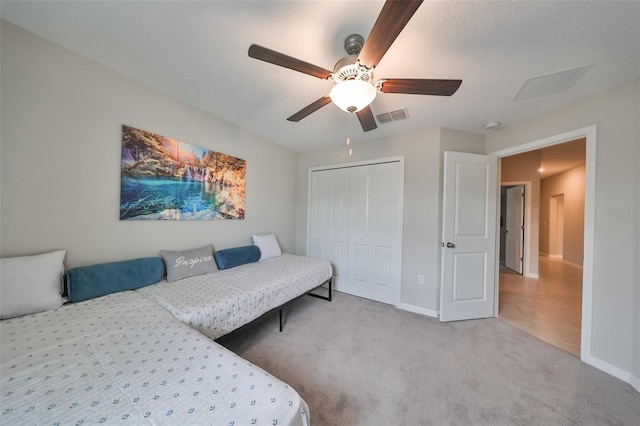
x,y
87,282
232,257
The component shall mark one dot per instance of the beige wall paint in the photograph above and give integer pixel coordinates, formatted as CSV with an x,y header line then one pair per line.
x,y
615,323
60,166
522,168
571,184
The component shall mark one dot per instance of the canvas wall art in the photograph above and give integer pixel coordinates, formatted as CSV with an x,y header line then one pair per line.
x,y
165,179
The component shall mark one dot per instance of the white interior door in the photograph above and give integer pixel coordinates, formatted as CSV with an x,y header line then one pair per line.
x,y
514,223
329,221
468,236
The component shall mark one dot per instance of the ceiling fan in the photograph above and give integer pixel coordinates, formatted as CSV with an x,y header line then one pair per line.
x,y
354,89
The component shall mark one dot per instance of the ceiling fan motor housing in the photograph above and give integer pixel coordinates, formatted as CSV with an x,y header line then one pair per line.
x,y
348,68
353,44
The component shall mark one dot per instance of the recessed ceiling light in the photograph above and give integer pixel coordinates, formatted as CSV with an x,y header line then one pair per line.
x,y
541,170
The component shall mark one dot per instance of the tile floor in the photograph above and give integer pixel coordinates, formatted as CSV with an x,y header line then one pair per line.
x,y
549,307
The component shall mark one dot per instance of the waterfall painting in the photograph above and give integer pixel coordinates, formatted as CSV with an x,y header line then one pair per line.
x,y
165,179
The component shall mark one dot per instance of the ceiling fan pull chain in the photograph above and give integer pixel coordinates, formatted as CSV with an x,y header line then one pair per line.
x,y
349,133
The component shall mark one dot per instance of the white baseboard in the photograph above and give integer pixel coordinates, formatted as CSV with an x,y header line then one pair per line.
x,y
551,256
635,382
418,310
616,372
576,265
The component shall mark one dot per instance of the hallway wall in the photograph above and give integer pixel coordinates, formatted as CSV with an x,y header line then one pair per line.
x,y
571,184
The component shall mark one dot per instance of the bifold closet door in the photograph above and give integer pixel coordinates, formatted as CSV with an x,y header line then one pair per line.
x,y
355,222
375,232
329,221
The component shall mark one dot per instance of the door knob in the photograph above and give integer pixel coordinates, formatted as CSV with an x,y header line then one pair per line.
x,y
448,245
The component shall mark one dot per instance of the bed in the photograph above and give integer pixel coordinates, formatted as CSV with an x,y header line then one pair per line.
x,y
123,359
218,303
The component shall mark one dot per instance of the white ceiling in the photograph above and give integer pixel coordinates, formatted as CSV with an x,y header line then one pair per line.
x,y
197,51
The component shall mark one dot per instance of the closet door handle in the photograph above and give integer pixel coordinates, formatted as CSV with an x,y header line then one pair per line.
x,y
448,245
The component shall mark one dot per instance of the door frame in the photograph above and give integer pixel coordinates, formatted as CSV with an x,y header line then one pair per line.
x,y
527,252
521,224
590,135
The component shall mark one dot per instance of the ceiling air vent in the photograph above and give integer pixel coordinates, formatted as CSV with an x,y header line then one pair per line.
x,y
396,115
549,84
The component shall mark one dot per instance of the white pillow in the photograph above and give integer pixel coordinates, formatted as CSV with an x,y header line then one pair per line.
x,y
268,245
31,284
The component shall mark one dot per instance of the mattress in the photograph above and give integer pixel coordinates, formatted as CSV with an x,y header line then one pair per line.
x,y
122,359
218,303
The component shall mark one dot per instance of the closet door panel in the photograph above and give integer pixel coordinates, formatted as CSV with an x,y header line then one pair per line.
x,y
360,189
329,221
319,217
386,234
359,235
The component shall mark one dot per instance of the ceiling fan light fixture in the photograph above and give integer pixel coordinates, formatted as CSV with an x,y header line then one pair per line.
x,y
352,95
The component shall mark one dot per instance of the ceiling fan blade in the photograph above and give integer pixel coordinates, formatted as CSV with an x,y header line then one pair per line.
x,y
310,108
277,58
367,121
392,19
417,86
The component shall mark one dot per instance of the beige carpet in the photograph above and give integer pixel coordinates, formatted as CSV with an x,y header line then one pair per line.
x,y
358,362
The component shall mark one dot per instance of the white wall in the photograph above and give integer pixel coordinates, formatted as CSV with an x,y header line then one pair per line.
x,y
60,160
616,302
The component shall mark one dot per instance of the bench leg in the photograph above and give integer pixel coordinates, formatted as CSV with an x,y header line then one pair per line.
x,y
330,281
280,312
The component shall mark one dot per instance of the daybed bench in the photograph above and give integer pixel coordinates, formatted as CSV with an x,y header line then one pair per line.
x,y
218,303
121,356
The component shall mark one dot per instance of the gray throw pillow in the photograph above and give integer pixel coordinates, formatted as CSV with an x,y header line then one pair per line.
x,y
188,263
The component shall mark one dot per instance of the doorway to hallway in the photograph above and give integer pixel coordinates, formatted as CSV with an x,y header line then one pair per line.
x,y
546,301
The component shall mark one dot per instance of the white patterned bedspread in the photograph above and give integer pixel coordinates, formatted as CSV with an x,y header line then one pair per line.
x,y
122,359
218,303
